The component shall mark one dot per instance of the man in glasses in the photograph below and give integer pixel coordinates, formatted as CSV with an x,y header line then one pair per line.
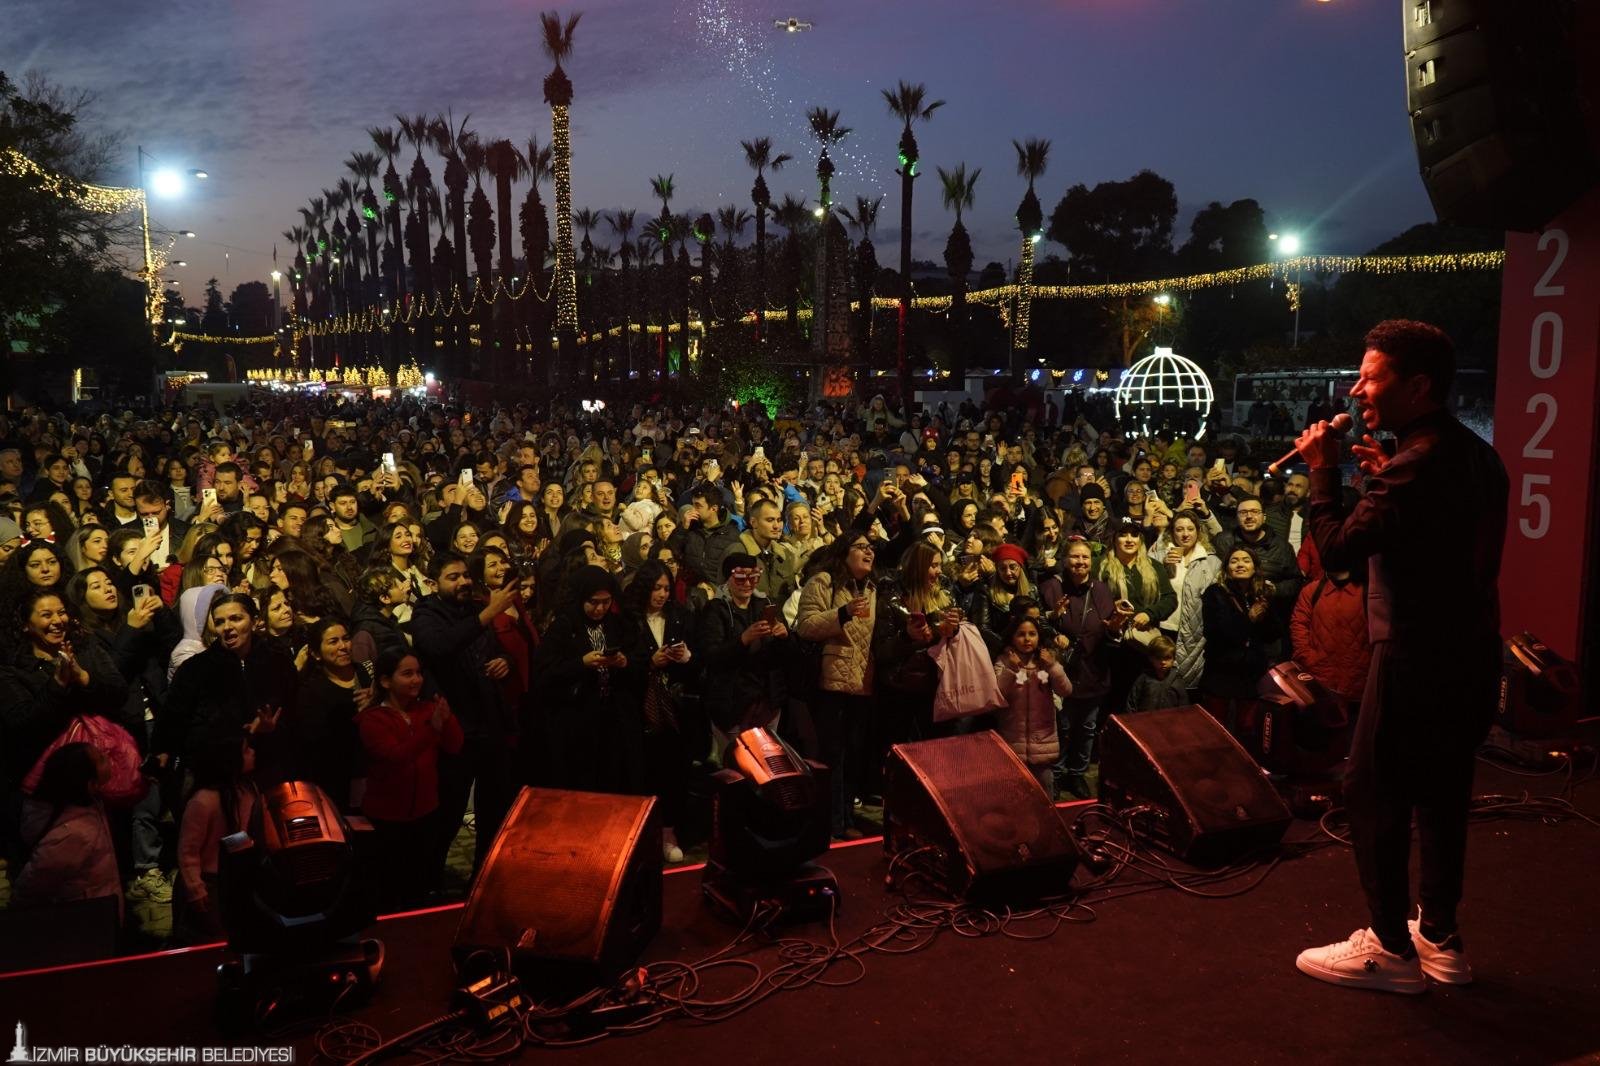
x,y
739,637
1273,554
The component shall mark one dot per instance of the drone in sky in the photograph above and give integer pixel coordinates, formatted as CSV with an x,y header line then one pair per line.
x,y
791,25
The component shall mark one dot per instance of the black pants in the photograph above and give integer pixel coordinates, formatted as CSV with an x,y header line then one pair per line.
x,y
1423,716
841,721
407,872
483,772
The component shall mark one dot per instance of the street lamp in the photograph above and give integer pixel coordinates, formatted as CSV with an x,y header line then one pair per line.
x,y
277,323
165,183
1289,247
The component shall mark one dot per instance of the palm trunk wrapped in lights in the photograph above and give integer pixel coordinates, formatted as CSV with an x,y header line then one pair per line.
x,y
558,94
1024,312
1032,156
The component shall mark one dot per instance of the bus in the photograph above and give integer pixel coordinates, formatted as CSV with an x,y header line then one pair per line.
x,y
1294,390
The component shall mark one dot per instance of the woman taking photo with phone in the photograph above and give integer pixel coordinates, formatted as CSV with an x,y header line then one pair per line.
x,y
839,610
591,690
658,633
1186,548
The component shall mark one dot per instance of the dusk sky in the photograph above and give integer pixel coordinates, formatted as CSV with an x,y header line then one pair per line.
x,y
1297,103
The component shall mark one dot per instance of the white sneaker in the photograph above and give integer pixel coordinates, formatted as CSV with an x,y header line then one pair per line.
x,y
1362,962
670,851
1446,961
151,886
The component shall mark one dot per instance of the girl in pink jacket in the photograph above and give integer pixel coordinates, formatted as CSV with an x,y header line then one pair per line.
x,y
1031,680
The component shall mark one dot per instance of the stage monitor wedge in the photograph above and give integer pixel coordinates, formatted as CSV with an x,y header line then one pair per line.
x,y
1206,800
967,813
571,889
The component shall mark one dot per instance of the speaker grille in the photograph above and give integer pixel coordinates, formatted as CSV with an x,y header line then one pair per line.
x,y
573,877
1210,798
992,829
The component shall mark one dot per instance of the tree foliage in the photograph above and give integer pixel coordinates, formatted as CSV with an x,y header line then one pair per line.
x,y
50,245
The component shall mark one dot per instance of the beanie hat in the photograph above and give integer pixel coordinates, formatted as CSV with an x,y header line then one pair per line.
x,y
1091,491
9,531
1009,553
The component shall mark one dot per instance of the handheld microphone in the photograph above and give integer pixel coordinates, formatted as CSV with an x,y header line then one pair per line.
x,y
1338,425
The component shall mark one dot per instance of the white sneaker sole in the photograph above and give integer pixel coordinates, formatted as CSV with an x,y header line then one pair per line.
x,y
1452,970
1406,986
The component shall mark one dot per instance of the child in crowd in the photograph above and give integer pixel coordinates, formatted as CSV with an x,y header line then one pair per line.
x,y
402,735
223,802
72,855
1031,680
1158,685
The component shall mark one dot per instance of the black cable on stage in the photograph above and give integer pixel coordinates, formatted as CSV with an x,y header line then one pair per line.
x,y
662,991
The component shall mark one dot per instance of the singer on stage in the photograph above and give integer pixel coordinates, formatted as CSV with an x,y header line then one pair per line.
x,y
1430,530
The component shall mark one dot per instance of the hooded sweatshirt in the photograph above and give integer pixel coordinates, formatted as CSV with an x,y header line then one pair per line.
x,y
193,607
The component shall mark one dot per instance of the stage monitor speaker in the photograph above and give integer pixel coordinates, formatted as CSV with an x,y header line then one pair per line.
x,y
1208,801
969,815
1541,694
1504,105
571,890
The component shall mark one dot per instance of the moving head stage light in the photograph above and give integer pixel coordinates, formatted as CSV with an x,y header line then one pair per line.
x,y
292,900
769,819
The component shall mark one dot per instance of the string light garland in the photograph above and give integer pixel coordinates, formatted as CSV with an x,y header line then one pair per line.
x,y
438,305
100,199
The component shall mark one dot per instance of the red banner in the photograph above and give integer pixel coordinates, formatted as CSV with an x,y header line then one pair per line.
x,y
1544,424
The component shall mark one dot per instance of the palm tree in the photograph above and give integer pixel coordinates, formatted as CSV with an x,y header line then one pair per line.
x,y
958,188
622,222
508,165
758,154
826,129
793,216
586,219
664,228
732,220
418,131
452,141
662,189
364,165
558,94
865,219
387,142
1032,155
533,224
907,103
480,216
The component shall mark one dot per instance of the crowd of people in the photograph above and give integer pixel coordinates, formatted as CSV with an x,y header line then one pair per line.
x,y
422,607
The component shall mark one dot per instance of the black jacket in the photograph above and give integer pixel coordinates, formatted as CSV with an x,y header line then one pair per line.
x,y
1437,508
1082,620
738,676
381,631
1238,651
216,690
34,709
455,648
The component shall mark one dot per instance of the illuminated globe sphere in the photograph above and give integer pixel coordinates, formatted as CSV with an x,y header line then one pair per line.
x,y
1164,383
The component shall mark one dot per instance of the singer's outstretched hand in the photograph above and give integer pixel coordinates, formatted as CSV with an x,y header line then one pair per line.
x,y
1318,445
1371,455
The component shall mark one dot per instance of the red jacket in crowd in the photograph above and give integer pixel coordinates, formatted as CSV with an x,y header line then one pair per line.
x,y
403,759
1329,630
